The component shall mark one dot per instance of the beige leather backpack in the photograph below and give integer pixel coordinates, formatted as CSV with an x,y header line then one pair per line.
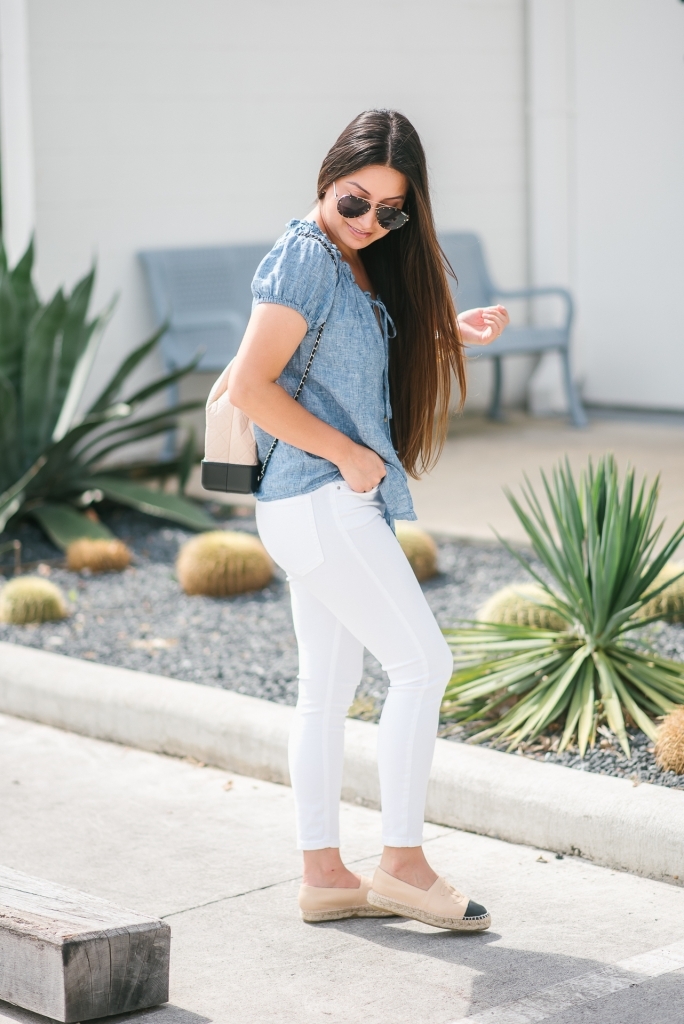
x,y
230,459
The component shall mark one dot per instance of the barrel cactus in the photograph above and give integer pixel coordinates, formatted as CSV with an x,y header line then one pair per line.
x,y
669,603
98,555
419,548
520,605
223,562
31,599
669,748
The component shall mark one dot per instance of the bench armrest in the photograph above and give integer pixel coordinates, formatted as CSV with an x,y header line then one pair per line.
x,y
531,293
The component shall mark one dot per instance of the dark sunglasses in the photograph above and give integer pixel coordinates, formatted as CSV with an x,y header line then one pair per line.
x,y
389,217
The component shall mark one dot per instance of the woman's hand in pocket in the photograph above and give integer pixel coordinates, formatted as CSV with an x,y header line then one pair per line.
x,y
361,467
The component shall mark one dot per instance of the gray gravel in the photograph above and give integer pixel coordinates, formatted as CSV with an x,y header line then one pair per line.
x,y
607,757
141,619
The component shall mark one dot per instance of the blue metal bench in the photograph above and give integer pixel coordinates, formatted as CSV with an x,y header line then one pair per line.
x,y
476,288
205,296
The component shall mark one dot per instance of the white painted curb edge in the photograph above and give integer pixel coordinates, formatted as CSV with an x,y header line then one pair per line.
x,y
608,820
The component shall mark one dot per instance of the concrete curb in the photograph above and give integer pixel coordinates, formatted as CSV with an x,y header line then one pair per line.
x,y
610,821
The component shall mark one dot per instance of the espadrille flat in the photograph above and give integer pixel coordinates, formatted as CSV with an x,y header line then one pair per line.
x,y
319,904
441,905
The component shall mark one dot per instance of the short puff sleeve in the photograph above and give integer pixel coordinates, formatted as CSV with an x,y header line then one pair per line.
x,y
298,272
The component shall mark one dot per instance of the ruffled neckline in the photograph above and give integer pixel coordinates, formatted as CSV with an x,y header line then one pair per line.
x,y
297,225
307,225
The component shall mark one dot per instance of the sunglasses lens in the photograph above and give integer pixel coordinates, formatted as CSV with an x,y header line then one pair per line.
x,y
352,206
390,218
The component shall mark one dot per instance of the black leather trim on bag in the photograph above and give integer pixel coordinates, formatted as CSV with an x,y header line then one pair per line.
x,y
229,476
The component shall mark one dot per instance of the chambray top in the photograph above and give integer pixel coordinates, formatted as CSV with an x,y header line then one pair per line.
x,y
348,384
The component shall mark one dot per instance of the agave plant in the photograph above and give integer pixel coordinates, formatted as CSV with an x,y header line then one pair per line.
x,y
51,467
598,549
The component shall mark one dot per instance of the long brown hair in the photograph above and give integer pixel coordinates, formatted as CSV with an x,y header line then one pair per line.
x,y
409,270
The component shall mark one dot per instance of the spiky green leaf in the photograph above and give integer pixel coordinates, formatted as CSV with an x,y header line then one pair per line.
x,y
126,368
155,503
64,524
10,459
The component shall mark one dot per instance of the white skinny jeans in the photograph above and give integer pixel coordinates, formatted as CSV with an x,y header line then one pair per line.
x,y
352,587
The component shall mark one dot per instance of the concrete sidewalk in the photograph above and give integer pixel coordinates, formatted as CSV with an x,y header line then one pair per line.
x,y
214,855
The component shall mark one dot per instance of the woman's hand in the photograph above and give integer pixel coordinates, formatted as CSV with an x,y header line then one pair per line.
x,y
482,326
361,467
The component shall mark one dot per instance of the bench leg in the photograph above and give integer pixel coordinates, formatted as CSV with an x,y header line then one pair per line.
x,y
577,413
495,407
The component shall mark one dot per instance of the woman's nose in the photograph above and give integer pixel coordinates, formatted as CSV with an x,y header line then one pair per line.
x,y
365,222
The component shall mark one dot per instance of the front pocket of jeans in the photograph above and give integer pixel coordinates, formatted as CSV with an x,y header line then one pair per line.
x,y
357,509
287,528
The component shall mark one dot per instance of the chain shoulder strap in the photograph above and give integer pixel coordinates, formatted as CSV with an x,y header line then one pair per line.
x,y
328,248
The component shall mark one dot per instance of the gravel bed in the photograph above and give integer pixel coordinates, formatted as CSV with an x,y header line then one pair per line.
x,y
607,757
141,619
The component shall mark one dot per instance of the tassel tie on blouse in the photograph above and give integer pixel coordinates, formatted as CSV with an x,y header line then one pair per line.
x,y
388,331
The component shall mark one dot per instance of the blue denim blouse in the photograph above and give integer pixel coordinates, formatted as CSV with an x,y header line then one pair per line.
x,y
348,384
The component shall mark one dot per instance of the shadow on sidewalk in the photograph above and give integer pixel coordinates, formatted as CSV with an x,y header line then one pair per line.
x,y
503,974
165,1014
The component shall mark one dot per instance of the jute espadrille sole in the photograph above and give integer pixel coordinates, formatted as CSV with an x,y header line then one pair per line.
x,y
469,924
337,915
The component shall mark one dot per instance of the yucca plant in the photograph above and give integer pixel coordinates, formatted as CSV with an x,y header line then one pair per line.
x,y
597,547
51,461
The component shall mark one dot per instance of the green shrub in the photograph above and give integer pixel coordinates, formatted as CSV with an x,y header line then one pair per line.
x,y
597,547
52,454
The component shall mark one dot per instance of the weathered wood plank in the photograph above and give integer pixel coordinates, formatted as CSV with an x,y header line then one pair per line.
x,y
74,957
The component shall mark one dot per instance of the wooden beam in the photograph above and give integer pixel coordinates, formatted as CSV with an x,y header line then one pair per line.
x,y
74,957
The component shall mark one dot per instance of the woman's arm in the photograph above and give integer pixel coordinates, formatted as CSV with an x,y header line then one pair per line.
x,y
273,334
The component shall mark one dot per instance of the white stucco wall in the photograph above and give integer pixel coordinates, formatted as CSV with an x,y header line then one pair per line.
x,y
170,122
16,130
606,147
629,264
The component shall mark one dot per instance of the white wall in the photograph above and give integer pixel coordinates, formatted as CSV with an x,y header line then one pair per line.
x,y
606,166
16,135
629,81
550,61
184,122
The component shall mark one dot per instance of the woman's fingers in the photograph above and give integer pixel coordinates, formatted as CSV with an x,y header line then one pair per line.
x,y
499,311
496,319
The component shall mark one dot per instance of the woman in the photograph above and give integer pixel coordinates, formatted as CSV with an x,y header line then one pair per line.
x,y
367,266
